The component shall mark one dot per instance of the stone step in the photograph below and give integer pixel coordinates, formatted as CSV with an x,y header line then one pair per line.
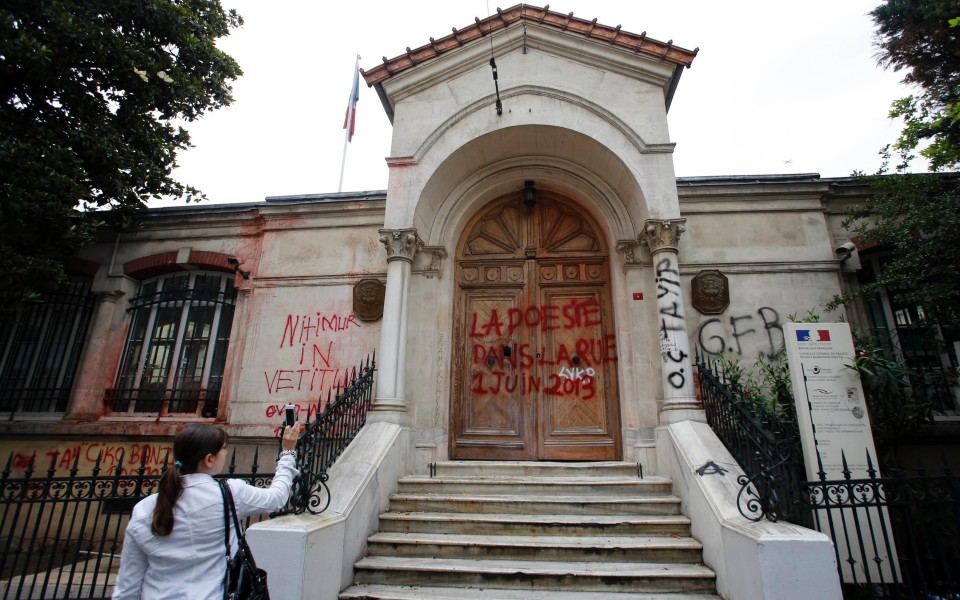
x,y
455,468
540,524
390,592
649,549
541,575
535,504
560,486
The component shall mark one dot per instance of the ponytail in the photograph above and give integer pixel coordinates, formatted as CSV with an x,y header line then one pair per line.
x,y
190,446
169,490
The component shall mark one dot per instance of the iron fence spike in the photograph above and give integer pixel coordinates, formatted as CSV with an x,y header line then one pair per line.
x,y
256,460
121,455
76,465
870,470
846,469
30,465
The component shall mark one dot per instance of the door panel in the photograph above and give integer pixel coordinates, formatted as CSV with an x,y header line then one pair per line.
x,y
534,354
576,409
494,414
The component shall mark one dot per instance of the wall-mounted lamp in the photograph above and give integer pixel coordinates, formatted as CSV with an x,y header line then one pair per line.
x,y
529,194
496,85
235,263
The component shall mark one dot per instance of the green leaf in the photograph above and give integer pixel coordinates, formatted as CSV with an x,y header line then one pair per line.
x,y
80,129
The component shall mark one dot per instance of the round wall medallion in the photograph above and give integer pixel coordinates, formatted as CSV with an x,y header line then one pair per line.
x,y
571,272
470,274
368,297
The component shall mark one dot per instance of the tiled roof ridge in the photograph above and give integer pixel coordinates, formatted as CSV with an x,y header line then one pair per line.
x,y
639,43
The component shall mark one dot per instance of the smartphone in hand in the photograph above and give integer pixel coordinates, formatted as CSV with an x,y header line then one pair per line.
x,y
289,415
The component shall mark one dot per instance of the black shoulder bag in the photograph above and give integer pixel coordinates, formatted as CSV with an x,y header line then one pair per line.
x,y
243,581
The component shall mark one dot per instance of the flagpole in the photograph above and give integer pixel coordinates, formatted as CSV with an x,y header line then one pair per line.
x,y
348,123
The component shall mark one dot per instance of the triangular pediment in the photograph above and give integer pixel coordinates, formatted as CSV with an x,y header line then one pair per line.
x,y
505,18
641,56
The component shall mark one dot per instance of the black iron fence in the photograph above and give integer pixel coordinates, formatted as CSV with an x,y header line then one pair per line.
x,y
766,448
895,536
61,532
325,438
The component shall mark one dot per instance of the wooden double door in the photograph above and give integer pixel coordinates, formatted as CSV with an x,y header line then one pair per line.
x,y
534,343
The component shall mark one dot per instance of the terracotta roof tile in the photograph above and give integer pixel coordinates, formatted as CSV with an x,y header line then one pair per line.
x,y
639,43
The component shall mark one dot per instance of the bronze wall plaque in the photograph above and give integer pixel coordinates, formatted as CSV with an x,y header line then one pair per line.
x,y
711,292
368,297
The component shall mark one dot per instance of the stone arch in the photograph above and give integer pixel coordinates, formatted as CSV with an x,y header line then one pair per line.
x,y
603,184
185,259
630,135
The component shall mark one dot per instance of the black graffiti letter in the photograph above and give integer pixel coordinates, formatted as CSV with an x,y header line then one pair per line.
x,y
682,355
773,323
720,341
677,379
737,334
664,267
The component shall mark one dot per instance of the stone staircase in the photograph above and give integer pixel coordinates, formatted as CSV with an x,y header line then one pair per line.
x,y
526,531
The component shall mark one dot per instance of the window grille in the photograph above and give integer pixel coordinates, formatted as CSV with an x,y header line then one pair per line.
x,y
913,337
40,348
177,346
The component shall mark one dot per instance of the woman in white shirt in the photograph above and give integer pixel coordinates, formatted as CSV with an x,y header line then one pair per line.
x,y
174,543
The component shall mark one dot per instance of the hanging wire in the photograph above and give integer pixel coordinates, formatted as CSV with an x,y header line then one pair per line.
x,y
493,66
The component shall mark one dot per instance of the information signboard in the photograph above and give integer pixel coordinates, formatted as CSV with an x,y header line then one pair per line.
x,y
835,424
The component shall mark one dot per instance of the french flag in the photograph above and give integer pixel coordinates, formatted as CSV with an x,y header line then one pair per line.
x,y
350,120
813,335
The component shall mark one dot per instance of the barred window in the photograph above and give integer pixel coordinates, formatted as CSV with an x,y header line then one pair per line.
x,y
912,336
177,346
40,347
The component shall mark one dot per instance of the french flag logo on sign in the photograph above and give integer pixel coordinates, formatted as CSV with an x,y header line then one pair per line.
x,y
813,335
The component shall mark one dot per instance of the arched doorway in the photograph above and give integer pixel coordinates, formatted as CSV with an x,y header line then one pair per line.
x,y
534,366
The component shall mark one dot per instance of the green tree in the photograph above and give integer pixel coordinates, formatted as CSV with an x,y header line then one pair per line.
x,y
92,94
917,215
922,37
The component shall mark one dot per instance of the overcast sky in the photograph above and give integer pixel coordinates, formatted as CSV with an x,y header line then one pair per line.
x,y
778,87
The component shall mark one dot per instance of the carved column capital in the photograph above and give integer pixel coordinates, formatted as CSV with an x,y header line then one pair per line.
x,y
662,234
401,244
437,254
628,249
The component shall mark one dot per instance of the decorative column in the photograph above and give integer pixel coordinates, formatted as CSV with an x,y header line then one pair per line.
x,y
679,396
402,245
